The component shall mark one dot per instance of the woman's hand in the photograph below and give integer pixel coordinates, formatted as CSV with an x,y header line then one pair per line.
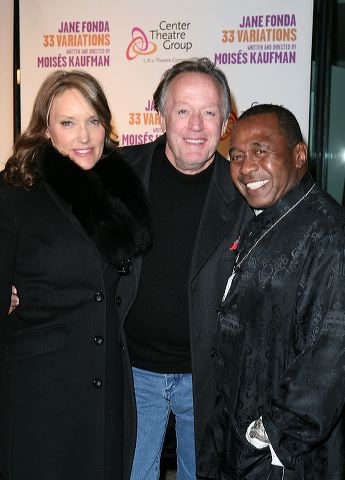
x,y
14,299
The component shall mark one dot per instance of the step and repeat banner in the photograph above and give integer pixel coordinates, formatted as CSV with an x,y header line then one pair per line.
x,y
263,47
6,80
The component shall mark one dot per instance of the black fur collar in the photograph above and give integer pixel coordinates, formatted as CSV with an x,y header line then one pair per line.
x,y
108,201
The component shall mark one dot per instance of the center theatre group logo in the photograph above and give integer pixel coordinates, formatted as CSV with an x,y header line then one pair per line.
x,y
139,44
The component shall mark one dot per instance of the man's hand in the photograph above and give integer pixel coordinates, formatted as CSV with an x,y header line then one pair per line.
x,y
14,299
257,436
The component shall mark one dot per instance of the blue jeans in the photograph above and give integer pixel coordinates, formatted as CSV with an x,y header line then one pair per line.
x,y
158,394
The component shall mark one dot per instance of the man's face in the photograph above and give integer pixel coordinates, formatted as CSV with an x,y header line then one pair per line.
x,y
262,165
193,121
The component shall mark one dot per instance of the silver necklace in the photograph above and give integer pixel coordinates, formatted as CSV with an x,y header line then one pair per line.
x,y
238,263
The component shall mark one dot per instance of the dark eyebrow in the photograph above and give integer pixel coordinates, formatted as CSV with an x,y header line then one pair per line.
x,y
260,144
232,149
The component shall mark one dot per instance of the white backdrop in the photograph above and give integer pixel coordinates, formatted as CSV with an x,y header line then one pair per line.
x,y
263,47
6,99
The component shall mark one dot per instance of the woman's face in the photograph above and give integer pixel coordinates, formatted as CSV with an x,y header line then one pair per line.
x,y
75,129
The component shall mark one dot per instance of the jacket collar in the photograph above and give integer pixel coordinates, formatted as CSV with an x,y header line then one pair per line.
x,y
108,201
222,216
270,216
293,197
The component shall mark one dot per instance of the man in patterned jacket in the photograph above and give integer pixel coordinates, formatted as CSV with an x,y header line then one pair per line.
x,y
280,340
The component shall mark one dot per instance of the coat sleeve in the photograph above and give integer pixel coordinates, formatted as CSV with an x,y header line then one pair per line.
x,y
7,256
311,393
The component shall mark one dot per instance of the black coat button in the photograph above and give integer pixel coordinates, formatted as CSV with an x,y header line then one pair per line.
x,y
98,297
97,383
118,300
98,340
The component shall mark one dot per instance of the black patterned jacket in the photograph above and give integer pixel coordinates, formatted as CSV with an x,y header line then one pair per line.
x,y
280,346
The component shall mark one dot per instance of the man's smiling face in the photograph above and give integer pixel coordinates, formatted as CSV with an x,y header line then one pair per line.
x,y
193,120
263,166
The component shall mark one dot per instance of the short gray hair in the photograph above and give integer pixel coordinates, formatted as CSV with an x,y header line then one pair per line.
x,y
197,65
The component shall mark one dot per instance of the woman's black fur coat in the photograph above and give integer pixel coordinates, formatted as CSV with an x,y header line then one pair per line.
x,y
108,201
